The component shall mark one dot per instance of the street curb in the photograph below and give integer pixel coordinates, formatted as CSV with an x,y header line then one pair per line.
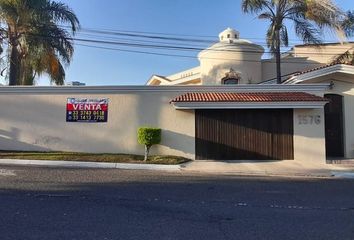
x,y
265,174
342,174
75,164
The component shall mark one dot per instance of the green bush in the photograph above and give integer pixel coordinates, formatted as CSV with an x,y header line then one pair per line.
x,y
149,136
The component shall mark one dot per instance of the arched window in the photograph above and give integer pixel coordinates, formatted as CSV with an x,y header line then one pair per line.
x,y
231,77
231,81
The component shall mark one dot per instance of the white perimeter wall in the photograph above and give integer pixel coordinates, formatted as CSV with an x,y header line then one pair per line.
x,y
309,136
38,122
34,119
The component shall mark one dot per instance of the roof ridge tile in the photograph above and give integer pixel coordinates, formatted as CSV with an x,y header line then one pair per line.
x,y
247,97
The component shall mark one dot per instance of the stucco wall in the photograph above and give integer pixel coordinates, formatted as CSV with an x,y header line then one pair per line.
x,y
212,71
309,136
288,66
35,120
343,86
324,54
38,122
244,58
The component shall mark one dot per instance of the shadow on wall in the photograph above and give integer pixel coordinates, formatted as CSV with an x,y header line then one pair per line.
x,y
49,129
274,121
156,111
244,134
43,128
8,139
249,151
148,113
289,66
178,141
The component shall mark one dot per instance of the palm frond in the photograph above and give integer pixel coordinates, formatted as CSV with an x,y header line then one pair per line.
x,y
55,69
59,77
345,58
255,6
43,45
52,37
271,38
310,18
284,37
325,14
348,24
61,13
307,32
266,15
8,13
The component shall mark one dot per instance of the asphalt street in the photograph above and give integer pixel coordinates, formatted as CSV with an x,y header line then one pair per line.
x,y
51,203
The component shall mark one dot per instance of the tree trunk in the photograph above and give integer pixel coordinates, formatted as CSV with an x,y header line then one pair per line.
x,y
14,66
27,74
278,56
147,150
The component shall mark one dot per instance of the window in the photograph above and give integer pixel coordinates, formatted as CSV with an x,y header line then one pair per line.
x,y
231,77
230,81
228,35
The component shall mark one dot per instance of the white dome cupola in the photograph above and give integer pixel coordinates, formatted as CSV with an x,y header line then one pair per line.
x,y
231,52
229,35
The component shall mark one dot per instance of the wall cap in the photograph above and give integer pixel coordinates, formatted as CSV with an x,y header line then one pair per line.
x,y
134,89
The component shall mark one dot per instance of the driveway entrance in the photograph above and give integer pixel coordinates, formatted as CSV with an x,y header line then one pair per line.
x,y
244,134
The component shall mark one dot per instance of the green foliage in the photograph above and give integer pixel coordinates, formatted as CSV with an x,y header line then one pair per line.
x,y
309,19
36,40
345,58
348,24
149,136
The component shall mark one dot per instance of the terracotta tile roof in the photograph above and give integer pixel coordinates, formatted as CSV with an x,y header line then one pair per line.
x,y
248,97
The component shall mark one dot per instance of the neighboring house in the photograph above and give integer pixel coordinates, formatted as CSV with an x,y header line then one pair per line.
x,y
75,83
245,58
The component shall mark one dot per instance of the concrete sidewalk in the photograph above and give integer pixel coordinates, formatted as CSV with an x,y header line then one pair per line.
x,y
260,168
280,168
76,164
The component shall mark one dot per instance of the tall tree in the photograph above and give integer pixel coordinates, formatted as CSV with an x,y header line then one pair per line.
x,y
309,18
37,42
348,27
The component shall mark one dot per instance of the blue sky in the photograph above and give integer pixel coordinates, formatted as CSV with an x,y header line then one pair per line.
x,y
190,17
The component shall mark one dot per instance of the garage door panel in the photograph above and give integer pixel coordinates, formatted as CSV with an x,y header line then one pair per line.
x,y
244,134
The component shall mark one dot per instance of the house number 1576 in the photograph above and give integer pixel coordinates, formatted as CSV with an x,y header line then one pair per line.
x,y
309,119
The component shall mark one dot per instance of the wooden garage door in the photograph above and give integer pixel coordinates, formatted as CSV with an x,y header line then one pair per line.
x,y
244,134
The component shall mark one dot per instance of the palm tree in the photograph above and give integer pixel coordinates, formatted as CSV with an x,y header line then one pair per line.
x,y
348,24
309,17
348,27
37,43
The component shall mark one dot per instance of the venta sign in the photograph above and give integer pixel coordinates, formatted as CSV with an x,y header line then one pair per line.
x,y
86,110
